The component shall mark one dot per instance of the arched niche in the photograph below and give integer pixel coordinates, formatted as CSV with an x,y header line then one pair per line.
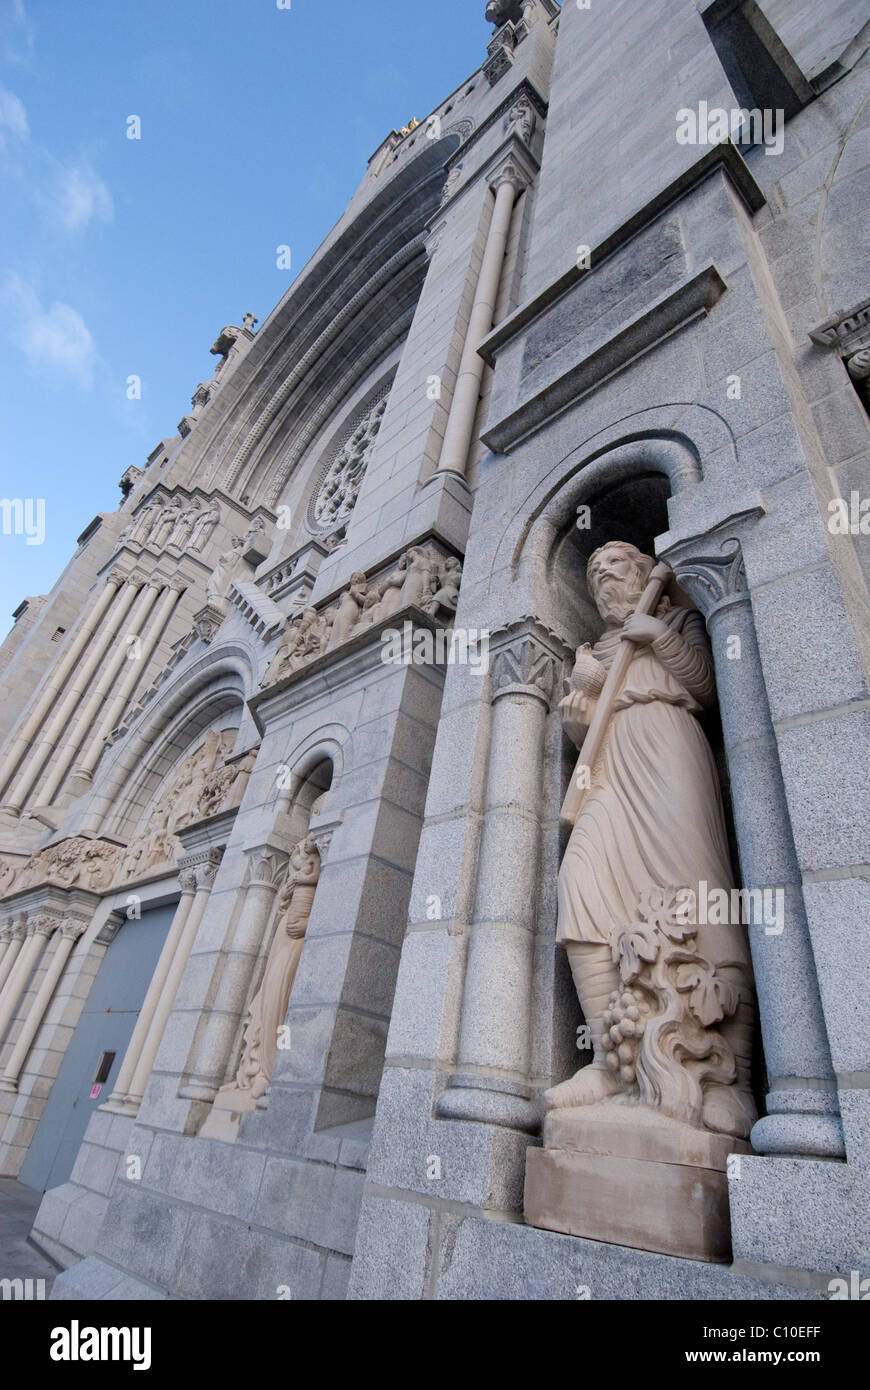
x,y
623,494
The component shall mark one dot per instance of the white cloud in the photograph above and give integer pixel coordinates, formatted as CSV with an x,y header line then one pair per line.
x,y
18,36
13,118
55,340
80,196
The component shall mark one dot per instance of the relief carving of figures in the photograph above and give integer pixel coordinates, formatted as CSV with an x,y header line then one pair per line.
x,y
87,863
520,120
165,524
668,1003
224,787
422,578
184,525
255,536
145,520
417,588
445,599
350,607
202,787
203,526
225,568
269,1006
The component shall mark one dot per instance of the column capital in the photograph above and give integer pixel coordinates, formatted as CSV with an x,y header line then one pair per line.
x,y
203,865
710,566
511,172
266,867
43,925
73,928
524,662
116,578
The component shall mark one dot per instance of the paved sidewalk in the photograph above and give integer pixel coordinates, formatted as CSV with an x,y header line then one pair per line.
x,y
18,1260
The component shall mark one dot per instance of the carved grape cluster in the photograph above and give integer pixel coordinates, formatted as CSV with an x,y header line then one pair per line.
x,y
624,1023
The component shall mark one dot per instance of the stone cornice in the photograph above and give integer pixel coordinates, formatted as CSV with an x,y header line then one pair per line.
x,y
675,308
725,158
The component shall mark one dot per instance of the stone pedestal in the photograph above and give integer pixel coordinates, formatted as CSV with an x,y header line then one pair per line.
x,y
225,1115
628,1175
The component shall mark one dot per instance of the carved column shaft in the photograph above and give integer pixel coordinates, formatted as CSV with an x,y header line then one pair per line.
x,y
150,630
118,1099
64,943
61,757
802,1102
491,1084
213,1053
57,680
463,408
38,933
93,702
205,875
13,948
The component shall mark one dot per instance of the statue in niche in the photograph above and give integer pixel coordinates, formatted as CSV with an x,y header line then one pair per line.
x,y
221,576
269,1006
668,1002
203,526
520,120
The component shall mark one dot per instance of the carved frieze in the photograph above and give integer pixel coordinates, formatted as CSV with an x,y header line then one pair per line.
x,y
77,862
423,577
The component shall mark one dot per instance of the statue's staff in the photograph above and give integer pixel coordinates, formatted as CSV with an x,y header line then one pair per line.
x,y
616,676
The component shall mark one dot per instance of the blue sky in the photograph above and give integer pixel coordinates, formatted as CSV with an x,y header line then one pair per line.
x,y
122,257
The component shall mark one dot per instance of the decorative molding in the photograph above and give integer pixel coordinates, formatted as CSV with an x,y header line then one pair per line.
x,y
848,333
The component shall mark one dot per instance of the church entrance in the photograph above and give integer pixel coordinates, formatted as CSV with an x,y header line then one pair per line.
x,y
97,1049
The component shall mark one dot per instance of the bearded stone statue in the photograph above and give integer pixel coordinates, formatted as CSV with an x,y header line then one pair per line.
x,y
650,823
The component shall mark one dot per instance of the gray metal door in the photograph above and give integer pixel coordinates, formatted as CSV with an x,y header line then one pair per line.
x,y
106,1025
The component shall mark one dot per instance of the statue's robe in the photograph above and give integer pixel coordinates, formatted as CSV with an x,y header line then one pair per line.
x,y
653,814
269,1006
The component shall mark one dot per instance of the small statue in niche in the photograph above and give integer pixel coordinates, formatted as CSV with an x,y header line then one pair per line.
x,y
669,1003
269,1005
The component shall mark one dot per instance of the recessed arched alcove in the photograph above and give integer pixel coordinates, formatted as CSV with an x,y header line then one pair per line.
x,y
622,496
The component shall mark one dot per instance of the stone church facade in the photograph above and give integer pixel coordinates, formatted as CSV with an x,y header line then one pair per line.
x,y
283,758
